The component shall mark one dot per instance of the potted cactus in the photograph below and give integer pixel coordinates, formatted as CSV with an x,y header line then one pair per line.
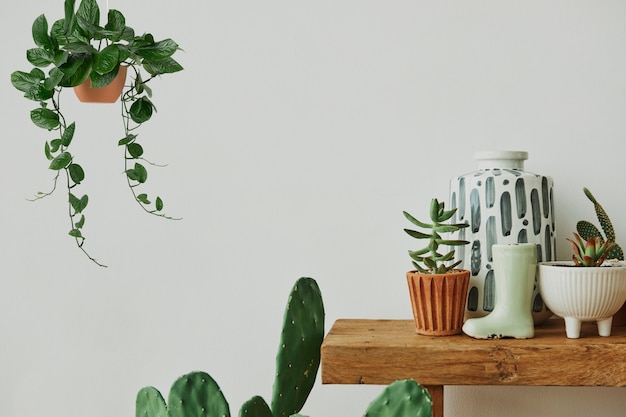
x,y
79,51
586,229
437,288
588,288
592,286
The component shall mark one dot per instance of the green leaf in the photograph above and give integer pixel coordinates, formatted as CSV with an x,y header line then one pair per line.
x,y
39,57
416,222
57,32
98,81
68,134
125,141
48,152
76,70
135,150
68,22
162,66
30,84
76,233
452,242
416,234
87,14
141,110
24,81
40,33
107,60
61,161
159,204
39,93
77,174
430,264
138,173
434,210
449,228
143,198
80,48
447,215
50,83
78,204
79,224
116,23
159,50
45,118
55,145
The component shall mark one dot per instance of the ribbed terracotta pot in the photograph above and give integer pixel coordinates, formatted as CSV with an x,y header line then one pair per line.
x,y
438,301
107,94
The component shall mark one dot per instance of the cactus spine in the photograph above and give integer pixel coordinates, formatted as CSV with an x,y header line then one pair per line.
x,y
587,230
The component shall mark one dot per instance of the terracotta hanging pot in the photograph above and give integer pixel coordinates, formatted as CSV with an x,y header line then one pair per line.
x,y
106,94
438,301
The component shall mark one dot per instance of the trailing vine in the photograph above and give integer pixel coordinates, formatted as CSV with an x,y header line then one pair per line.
x,y
137,108
79,49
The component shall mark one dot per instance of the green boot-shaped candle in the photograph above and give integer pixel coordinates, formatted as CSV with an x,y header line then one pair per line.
x,y
514,267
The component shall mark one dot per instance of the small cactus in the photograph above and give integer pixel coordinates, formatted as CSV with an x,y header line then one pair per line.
x,y
196,395
428,259
298,356
404,398
588,230
590,252
255,407
150,403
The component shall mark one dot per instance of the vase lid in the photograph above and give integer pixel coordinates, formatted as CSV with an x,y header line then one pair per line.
x,y
501,159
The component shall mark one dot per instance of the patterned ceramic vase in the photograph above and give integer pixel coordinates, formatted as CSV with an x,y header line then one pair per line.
x,y
503,204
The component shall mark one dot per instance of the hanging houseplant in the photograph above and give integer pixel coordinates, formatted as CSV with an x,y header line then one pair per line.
x,y
78,50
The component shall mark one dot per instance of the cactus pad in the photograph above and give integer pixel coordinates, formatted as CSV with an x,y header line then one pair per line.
x,y
405,398
150,403
196,395
298,357
255,407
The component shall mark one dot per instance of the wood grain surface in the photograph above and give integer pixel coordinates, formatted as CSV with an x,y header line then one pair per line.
x,y
382,351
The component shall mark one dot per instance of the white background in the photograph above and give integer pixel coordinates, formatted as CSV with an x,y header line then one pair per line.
x,y
295,137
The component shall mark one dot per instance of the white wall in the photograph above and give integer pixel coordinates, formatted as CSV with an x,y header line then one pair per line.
x,y
295,137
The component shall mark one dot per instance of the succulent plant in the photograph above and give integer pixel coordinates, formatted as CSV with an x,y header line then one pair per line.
x,y
590,252
429,259
587,230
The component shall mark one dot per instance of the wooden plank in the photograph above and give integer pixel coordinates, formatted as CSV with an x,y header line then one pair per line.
x,y
382,351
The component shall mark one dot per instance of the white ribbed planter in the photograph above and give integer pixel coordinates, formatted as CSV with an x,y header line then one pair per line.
x,y
583,294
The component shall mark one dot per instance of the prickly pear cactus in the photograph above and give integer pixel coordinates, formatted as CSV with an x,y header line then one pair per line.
x,y
150,403
405,398
587,230
255,407
193,395
196,395
298,357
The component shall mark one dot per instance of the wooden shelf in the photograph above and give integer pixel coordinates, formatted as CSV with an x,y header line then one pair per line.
x,y
382,351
